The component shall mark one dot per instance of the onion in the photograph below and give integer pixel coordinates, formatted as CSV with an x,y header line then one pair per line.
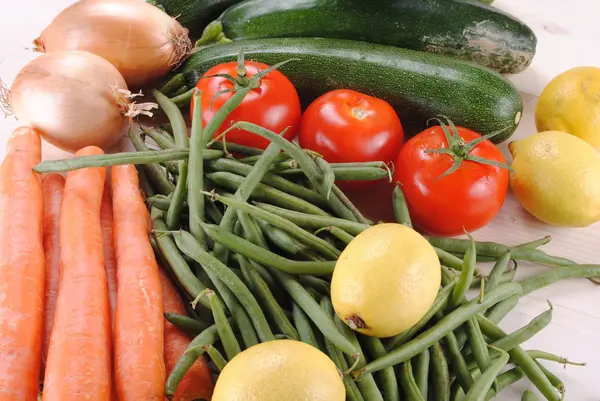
x,y
143,42
74,99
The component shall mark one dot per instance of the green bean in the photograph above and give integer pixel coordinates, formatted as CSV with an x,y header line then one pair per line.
x,y
280,222
277,167
265,257
358,217
323,322
440,375
156,174
400,207
421,371
235,148
213,212
189,246
506,277
353,173
315,283
484,382
528,396
440,303
184,98
304,161
195,198
327,172
338,233
495,249
497,312
160,202
526,332
536,354
254,234
457,361
145,185
466,276
498,270
178,265
478,345
185,323
553,379
305,331
279,238
230,343
386,377
536,243
175,211
266,193
253,159
267,300
273,180
243,193
547,277
521,359
449,260
162,140
367,384
313,221
408,383
193,351
504,380
434,334
215,356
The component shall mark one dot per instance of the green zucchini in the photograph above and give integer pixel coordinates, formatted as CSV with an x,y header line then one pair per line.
x,y
194,14
465,29
418,85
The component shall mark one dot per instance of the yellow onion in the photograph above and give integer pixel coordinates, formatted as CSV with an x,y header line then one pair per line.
x,y
143,42
74,99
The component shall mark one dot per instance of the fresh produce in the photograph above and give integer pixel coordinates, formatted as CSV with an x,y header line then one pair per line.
x,y
347,126
418,85
367,286
110,263
52,190
570,103
272,103
194,14
304,371
462,29
80,344
21,267
141,41
557,178
74,99
453,179
138,332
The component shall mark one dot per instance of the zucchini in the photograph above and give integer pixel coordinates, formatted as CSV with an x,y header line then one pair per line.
x,y
465,29
418,85
194,14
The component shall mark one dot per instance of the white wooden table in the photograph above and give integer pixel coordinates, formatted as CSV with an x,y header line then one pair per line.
x,y
568,34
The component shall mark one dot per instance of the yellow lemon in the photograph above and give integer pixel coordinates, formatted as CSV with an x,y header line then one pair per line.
x,y
281,370
571,103
385,280
557,178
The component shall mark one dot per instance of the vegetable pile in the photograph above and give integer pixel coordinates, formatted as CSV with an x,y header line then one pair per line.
x,y
224,260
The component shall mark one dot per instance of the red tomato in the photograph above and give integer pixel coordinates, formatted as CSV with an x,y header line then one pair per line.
x,y
275,105
466,199
347,126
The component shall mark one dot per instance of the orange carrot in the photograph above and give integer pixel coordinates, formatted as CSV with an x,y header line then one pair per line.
x,y
52,189
79,358
197,382
21,268
138,335
106,222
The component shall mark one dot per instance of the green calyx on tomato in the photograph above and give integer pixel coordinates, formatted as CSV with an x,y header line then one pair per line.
x,y
461,150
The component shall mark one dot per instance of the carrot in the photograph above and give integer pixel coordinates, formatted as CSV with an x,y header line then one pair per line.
x,y
79,357
138,335
52,189
106,222
197,382
21,268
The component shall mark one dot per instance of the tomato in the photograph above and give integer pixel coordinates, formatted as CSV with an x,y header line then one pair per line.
x,y
347,126
274,105
465,199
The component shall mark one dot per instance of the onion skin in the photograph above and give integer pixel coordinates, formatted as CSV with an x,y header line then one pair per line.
x,y
67,97
143,42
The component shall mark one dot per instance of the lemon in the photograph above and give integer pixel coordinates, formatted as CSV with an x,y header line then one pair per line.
x,y
280,370
557,178
571,103
385,280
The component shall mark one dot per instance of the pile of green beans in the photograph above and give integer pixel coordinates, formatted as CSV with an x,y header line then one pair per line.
x,y
253,239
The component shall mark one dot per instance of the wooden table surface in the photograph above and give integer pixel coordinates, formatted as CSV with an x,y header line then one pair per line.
x,y
568,34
